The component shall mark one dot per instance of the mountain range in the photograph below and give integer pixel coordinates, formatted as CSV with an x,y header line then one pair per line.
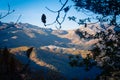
x,y
52,48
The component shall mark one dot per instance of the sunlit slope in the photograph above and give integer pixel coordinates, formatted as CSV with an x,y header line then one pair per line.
x,y
57,61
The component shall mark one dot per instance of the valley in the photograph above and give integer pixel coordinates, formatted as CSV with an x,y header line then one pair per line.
x,y
52,48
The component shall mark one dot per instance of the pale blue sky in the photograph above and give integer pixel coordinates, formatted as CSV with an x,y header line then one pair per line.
x,y
31,11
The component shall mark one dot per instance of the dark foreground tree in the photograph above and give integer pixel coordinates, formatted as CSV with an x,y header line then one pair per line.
x,y
103,7
107,54
11,68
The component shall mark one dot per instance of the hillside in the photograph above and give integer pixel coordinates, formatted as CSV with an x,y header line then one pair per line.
x,y
52,48
24,34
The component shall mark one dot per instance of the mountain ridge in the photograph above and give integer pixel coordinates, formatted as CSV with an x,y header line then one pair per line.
x,y
52,47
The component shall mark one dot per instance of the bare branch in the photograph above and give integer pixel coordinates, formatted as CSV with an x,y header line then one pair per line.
x,y
51,23
61,2
58,28
8,12
86,12
59,9
58,13
63,5
93,23
51,10
62,19
8,7
18,19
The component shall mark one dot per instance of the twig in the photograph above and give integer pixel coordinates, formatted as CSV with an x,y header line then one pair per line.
x,y
9,12
58,14
18,19
51,10
61,2
87,12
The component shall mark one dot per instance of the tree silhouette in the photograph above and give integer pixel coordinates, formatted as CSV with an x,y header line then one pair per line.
x,y
28,52
107,52
104,7
11,68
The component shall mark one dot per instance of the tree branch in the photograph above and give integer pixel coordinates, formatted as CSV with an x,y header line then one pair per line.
x,y
9,12
61,2
58,14
18,19
51,10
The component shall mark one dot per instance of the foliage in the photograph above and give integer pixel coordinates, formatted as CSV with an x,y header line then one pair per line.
x,y
104,7
87,62
106,53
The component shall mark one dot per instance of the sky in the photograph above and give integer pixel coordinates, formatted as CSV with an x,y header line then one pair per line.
x,y
31,11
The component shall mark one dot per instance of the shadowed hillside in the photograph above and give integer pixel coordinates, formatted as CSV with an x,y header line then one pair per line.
x,y
53,50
